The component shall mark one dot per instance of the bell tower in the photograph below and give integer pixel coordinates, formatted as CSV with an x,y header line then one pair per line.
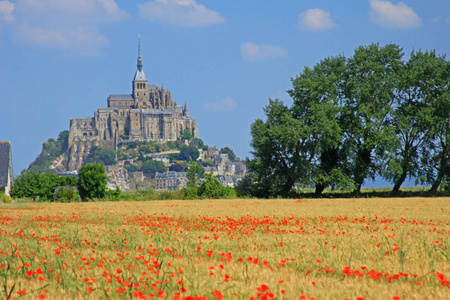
x,y
140,82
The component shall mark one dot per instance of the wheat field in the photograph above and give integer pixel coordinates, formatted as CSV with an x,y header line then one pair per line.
x,y
227,249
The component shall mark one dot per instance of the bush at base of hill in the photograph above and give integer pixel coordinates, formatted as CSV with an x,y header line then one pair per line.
x,y
5,198
66,194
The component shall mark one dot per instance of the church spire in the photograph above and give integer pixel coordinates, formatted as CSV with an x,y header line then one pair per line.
x,y
140,75
139,59
185,109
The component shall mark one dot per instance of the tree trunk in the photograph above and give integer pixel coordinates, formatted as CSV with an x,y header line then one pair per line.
x,y
441,172
399,182
319,189
363,163
437,183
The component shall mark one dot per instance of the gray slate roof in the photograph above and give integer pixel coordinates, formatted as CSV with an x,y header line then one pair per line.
x,y
120,97
5,163
165,111
170,174
139,76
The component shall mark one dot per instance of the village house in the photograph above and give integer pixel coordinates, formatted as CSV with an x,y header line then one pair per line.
x,y
170,180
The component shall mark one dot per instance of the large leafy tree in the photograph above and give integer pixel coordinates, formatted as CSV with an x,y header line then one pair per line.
x,y
318,98
371,83
412,119
281,152
436,97
354,119
92,181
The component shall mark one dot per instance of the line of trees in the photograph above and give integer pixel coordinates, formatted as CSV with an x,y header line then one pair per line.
x,y
91,184
353,119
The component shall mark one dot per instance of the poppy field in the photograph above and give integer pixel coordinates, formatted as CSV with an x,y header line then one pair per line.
x,y
227,249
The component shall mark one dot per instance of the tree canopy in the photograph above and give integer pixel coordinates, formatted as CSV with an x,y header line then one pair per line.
x,y
353,119
39,186
92,181
229,151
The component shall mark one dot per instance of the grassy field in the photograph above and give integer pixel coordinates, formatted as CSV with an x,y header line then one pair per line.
x,y
236,249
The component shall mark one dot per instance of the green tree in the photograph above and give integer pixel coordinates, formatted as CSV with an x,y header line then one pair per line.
x,y
193,175
435,88
176,167
92,181
153,166
211,188
411,119
38,186
188,153
68,181
186,135
26,185
66,195
63,139
371,83
131,168
227,150
104,156
197,143
281,152
318,103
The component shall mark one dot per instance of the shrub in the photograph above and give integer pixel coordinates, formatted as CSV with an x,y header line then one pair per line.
x,y
66,194
5,198
113,195
92,181
190,192
213,189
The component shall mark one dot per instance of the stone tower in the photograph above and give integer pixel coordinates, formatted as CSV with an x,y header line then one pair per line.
x,y
147,114
140,82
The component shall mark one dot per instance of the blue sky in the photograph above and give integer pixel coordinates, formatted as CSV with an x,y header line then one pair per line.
x,y
60,59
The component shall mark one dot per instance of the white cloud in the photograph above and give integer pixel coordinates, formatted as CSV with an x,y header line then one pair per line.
x,y
179,13
6,9
391,16
112,9
85,40
226,104
71,25
253,52
315,20
436,19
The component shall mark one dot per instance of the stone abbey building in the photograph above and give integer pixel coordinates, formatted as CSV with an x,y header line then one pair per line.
x,y
147,114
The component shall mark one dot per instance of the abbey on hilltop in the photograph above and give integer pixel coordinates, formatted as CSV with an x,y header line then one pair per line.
x,y
147,114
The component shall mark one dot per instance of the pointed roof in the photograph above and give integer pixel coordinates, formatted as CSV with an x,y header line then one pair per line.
x,y
140,75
